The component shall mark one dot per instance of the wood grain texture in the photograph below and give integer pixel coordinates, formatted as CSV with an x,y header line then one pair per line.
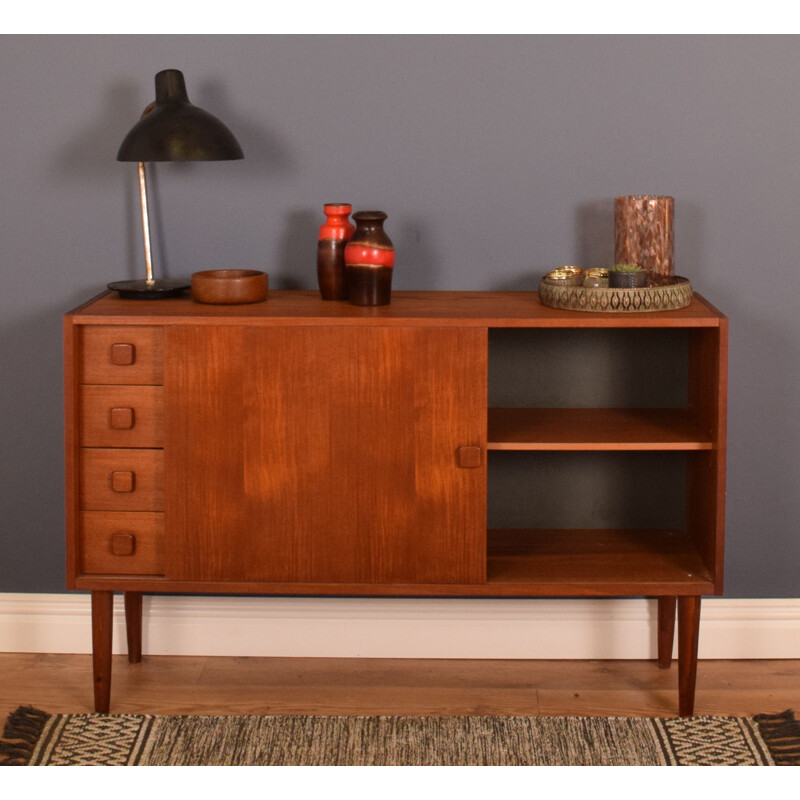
x,y
133,625
666,630
407,309
102,360
98,467
102,629
325,454
61,683
97,547
121,416
688,640
609,587
596,561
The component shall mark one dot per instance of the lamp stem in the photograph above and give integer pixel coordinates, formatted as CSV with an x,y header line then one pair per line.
x,y
148,256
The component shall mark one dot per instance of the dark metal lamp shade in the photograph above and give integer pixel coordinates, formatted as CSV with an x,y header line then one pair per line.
x,y
172,129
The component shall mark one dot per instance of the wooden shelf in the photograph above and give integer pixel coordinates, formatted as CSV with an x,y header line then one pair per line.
x,y
595,429
596,561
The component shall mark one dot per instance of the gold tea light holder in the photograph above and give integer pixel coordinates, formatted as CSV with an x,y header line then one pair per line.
x,y
559,288
566,276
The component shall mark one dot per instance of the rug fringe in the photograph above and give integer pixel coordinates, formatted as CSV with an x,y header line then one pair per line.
x,y
20,735
781,732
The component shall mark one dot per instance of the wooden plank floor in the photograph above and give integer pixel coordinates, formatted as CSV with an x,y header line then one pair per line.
x,y
202,685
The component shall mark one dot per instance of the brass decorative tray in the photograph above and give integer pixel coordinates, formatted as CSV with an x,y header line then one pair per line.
x,y
664,297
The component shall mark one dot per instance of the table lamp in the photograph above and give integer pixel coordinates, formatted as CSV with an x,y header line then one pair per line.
x,y
171,129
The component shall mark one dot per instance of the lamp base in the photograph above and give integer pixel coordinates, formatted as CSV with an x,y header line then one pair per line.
x,y
142,290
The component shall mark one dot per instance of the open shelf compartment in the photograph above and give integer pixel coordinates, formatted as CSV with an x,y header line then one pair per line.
x,y
592,562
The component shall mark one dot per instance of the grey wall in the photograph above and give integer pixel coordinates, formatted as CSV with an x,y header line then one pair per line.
x,y
495,158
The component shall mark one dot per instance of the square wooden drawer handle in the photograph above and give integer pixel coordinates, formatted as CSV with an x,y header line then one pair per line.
x,y
121,419
122,481
469,457
122,354
123,544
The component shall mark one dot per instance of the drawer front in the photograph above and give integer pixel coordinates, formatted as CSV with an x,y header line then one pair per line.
x,y
116,543
122,480
122,416
122,354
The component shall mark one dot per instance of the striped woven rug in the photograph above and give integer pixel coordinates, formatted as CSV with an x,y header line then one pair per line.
x,y
36,738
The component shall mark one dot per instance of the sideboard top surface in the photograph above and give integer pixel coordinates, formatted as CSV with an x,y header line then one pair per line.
x,y
305,308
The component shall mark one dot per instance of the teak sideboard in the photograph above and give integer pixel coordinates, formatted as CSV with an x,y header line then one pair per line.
x,y
304,447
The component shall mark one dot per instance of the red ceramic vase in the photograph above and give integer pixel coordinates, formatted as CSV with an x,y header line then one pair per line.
x,y
369,261
333,237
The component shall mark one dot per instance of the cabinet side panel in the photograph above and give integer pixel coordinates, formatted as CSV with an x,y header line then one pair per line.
x,y
71,360
708,380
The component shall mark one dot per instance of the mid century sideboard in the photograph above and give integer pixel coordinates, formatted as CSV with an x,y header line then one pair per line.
x,y
304,447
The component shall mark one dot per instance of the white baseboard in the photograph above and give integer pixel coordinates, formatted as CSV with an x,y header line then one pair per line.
x,y
400,628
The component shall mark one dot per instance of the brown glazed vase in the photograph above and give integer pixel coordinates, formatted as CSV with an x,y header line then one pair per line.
x,y
643,234
333,237
369,261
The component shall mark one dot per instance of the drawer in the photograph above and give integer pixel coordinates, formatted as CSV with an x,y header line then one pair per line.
x,y
122,480
126,354
122,416
122,544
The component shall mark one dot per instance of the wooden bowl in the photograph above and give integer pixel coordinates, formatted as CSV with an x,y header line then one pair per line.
x,y
229,286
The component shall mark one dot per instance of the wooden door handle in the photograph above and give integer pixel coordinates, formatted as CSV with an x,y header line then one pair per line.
x,y
122,481
121,419
123,354
469,457
123,544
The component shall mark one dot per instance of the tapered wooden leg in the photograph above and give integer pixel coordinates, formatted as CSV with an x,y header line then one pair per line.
x,y
133,625
688,638
666,630
102,613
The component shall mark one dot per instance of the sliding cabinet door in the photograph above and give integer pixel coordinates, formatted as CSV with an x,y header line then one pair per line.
x,y
325,454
